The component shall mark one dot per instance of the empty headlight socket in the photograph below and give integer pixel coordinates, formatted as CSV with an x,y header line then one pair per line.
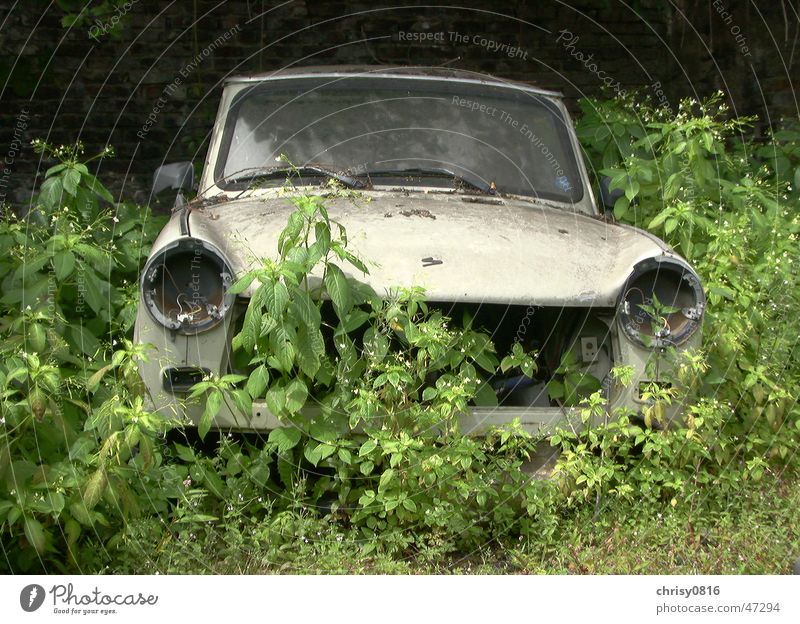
x,y
676,286
185,286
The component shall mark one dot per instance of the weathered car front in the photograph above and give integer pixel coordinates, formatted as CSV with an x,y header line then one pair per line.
x,y
472,188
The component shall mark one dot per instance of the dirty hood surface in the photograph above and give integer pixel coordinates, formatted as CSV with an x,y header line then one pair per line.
x,y
458,247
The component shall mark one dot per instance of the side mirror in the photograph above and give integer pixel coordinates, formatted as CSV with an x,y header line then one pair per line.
x,y
608,198
176,176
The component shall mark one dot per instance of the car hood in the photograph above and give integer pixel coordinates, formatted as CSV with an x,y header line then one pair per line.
x,y
458,247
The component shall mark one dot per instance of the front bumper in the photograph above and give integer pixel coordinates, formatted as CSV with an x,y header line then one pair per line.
x,y
210,352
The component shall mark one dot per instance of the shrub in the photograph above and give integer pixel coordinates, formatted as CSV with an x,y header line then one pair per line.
x,y
77,449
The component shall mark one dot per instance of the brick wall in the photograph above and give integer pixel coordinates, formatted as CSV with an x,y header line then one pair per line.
x,y
101,87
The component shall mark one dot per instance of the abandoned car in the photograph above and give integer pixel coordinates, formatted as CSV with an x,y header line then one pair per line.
x,y
473,188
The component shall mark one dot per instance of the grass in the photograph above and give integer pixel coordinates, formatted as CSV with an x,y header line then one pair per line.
x,y
755,532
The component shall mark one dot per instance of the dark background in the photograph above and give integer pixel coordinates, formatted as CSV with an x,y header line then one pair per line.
x,y
60,83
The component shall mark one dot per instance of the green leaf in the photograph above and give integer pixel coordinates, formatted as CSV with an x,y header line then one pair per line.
x,y
346,457
310,344
13,514
281,342
485,396
366,467
55,169
386,480
326,450
312,453
285,437
621,207
376,344
232,378
242,284
5,505
632,190
79,511
528,367
83,339
366,448
82,448
257,382
95,185
34,533
276,297
30,266
485,360
276,400
199,388
202,518
367,498
52,503
213,403
70,179
338,289
290,235
95,487
296,395
304,309
353,321
322,233
211,480
659,219
722,291
63,263
555,389
50,193
242,401
93,255
268,324
356,262
95,291
185,453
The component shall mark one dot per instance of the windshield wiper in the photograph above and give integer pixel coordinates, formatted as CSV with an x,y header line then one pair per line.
x,y
436,172
284,171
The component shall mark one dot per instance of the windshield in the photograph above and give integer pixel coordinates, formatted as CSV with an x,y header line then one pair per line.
x,y
507,139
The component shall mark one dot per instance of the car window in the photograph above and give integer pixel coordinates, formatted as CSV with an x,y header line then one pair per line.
x,y
512,138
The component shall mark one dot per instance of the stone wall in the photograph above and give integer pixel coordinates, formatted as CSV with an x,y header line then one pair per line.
x,y
146,79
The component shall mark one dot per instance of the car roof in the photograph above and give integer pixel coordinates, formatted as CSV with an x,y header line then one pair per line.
x,y
387,71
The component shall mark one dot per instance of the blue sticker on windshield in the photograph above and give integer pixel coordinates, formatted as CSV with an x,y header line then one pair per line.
x,y
562,182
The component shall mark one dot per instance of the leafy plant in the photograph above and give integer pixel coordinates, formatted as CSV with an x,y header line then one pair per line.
x,y
571,383
729,204
77,446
